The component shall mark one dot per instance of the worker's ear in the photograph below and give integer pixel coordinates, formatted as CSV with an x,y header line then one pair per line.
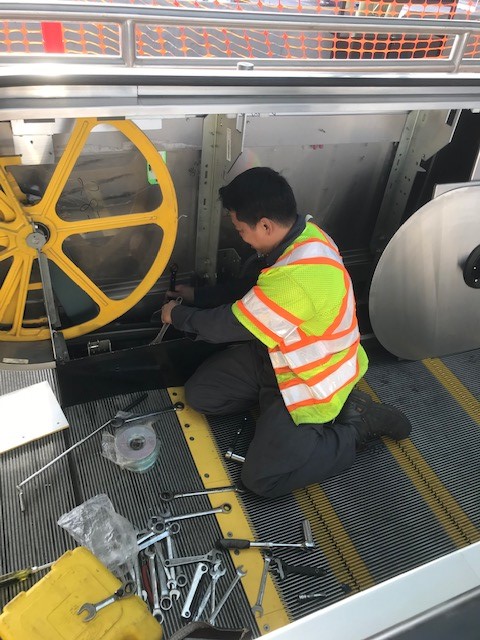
x,y
266,225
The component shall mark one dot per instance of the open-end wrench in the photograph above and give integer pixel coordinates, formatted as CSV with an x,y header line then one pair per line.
x,y
157,611
124,591
159,337
171,574
231,587
149,537
203,603
147,540
167,584
216,572
177,578
138,579
165,594
214,556
172,553
257,607
168,496
201,569
160,523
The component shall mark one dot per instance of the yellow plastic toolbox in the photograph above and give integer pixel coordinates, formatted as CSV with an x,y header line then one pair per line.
x,y
48,611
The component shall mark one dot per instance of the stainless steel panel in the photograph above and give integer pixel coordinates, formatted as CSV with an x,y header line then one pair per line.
x,y
318,130
340,185
420,306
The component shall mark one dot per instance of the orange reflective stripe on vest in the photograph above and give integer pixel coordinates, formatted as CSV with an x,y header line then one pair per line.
x,y
297,393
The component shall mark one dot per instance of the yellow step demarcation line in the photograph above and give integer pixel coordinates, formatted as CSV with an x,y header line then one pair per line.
x,y
448,512
235,524
456,389
332,538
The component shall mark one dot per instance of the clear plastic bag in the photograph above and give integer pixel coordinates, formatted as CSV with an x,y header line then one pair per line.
x,y
109,536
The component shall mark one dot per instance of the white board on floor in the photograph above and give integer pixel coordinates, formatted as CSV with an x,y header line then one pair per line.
x,y
29,414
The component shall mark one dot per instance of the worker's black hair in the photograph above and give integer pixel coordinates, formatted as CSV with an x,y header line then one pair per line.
x,y
260,193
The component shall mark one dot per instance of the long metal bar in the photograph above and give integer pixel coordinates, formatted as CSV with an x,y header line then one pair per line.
x,y
72,11
130,17
20,485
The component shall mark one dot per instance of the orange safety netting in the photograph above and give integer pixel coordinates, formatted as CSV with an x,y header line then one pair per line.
x,y
157,41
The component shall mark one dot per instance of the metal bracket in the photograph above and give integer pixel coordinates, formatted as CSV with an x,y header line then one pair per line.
x,y
33,140
222,145
60,351
425,133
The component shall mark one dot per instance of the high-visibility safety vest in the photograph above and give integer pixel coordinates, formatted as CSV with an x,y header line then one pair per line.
x,y
303,309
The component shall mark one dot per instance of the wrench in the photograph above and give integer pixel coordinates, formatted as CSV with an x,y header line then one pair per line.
x,y
231,587
166,598
152,536
168,586
147,541
124,591
138,578
161,523
157,611
216,572
168,496
203,603
171,574
159,337
177,578
257,607
212,556
180,576
201,569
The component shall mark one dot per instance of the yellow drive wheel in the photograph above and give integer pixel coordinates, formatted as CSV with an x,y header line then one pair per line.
x,y
107,228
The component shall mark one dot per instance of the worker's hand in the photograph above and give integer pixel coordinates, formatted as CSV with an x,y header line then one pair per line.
x,y
184,291
167,311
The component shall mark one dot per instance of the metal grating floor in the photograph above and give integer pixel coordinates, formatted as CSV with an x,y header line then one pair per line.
x,y
371,523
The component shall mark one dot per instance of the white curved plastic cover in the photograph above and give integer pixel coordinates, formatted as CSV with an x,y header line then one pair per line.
x,y
419,303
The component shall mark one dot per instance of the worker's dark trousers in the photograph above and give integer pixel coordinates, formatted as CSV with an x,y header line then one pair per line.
x,y
281,456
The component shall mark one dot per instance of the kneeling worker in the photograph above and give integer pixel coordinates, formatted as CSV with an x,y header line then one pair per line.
x,y
297,352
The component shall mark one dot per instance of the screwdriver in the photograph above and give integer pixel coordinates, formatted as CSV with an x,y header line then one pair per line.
x,y
22,574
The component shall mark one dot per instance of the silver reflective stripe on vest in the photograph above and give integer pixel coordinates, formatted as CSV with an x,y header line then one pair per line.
x,y
284,329
329,239
316,249
311,354
349,314
332,383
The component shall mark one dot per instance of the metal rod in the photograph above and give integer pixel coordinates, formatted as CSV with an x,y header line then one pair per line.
x,y
458,49
72,11
64,453
129,52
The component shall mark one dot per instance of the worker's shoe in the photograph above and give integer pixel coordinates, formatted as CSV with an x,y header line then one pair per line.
x,y
372,420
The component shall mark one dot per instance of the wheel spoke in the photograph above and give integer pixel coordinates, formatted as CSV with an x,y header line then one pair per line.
x,y
4,255
66,229
13,293
9,204
74,273
64,168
